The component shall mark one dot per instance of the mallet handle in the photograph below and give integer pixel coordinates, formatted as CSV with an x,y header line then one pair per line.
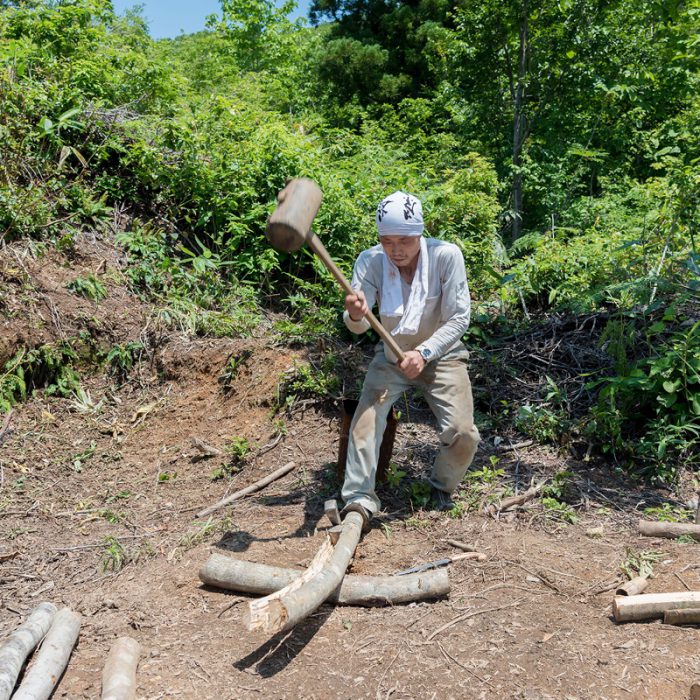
x,y
317,246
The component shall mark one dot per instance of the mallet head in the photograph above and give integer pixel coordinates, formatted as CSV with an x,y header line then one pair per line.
x,y
289,225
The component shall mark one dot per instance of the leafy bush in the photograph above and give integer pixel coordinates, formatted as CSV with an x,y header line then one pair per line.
x,y
649,418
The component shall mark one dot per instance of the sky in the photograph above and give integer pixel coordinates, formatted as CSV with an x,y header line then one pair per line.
x,y
168,18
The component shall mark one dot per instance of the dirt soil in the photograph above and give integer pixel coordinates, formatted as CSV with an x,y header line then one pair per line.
x,y
97,512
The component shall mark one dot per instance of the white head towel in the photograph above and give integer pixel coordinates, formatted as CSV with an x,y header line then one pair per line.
x,y
401,214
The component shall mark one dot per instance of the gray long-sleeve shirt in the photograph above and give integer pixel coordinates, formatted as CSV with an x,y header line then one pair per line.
x,y
447,309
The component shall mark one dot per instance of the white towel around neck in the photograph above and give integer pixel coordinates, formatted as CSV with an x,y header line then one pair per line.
x,y
392,297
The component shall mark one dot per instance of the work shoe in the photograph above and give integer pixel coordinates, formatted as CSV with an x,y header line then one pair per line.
x,y
441,500
358,508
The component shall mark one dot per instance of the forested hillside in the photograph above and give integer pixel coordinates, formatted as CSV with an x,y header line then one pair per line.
x,y
155,349
557,144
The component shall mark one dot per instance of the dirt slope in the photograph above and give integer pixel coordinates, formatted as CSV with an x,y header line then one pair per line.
x,y
97,506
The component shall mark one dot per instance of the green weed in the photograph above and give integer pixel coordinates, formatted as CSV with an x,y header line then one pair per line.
x,y
89,287
639,563
668,513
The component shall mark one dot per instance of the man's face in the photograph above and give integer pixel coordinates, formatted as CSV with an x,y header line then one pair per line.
x,y
401,250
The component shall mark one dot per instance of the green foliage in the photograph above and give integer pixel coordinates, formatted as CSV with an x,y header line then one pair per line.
x,y
89,287
311,381
419,493
394,475
121,358
46,367
639,563
649,418
668,513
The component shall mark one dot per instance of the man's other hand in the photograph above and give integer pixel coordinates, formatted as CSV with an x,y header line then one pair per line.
x,y
356,306
413,364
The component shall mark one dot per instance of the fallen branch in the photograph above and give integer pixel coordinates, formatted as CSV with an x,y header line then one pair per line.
x,y
466,616
462,545
247,577
687,616
652,605
52,659
634,586
652,528
20,644
260,484
277,614
119,673
514,501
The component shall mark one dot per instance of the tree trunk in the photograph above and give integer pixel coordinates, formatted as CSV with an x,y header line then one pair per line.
x,y
519,125
20,644
52,659
244,576
119,673
650,605
281,612
652,528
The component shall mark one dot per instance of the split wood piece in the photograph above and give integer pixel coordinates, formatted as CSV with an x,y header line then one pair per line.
x,y
262,612
20,644
651,605
119,673
652,528
260,484
52,658
247,577
280,613
513,501
687,616
634,586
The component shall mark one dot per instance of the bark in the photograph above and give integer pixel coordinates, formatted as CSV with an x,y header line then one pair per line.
x,y
688,616
650,528
261,483
14,652
281,613
652,605
519,125
52,659
247,577
634,586
119,673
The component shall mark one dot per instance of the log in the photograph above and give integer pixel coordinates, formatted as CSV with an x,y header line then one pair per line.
x,y
652,528
685,616
52,659
14,652
462,545
119,673
652,605
261,579
278,614
260,484
695,691
634,586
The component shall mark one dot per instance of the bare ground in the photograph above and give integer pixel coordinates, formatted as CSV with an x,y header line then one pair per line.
x,y
97,506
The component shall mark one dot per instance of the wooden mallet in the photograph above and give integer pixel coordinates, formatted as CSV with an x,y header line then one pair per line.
x,y
289,228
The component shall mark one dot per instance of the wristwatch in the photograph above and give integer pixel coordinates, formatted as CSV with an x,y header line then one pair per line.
x,y
426,354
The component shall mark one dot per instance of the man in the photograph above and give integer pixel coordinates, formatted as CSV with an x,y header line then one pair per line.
x,y
420,285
